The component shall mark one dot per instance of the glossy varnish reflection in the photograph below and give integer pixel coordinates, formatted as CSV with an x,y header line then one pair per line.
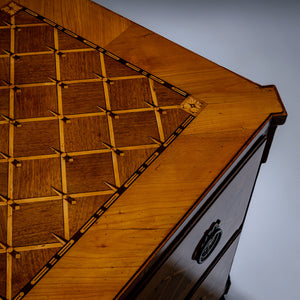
x,y
111,94
60,159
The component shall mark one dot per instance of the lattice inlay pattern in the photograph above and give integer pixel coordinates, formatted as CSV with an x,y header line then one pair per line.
x,y
78,125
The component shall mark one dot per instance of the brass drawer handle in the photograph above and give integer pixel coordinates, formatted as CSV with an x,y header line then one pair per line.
x,y
208,242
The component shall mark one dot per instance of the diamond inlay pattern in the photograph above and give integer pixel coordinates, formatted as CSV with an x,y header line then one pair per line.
x,y
75,125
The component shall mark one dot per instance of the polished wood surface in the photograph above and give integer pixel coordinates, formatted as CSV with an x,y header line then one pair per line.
x,y
132,230
98,24
75,124
176,277
212,288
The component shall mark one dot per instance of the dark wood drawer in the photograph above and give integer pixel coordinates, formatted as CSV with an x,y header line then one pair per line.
x,y
216,222
214,284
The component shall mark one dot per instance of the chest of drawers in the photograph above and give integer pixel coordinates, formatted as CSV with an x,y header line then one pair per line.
x,y
127,162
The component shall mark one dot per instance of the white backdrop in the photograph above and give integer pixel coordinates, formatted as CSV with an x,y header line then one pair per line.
x,y
261,41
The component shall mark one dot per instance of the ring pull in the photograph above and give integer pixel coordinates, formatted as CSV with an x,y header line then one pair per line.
x,y
208,242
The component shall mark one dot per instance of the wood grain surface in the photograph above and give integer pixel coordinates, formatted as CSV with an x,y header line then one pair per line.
x,y
179,272
111,24
76,124
214,285
130,233
148,212
36,258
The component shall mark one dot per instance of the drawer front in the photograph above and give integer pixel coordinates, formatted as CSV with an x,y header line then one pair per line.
x,y
213,286
217,222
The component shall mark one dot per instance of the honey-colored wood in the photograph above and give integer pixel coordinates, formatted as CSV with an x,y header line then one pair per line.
x,y
38,247
45,173
83,98
39,223
37,36
10,193
112,141
76,138
61,135
131,161
36,138
18,266
41,99
56,12
158,111
23,19
115,69
84,208
146,212
203,79
80,123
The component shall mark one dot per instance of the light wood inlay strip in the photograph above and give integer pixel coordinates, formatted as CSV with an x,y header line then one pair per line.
x,y
78,153
34,53
38,119
138,147
36,84
57,198
34,247
38,247
24,85
32,157
38,199
143,109
127,77
11,166
78,50
86,115
51,52
62,140
91,194
133,110
157,113
88,152
31,25
83,80
38,157
110,123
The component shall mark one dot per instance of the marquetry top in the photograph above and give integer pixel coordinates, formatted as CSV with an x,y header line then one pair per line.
x,y
109,134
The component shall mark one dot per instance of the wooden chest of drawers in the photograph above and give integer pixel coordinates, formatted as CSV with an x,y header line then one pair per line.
x,y
127,162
